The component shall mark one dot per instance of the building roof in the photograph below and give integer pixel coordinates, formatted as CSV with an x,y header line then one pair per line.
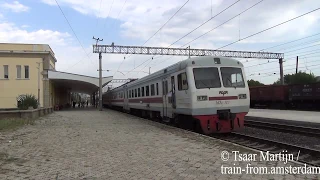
x,y
26,49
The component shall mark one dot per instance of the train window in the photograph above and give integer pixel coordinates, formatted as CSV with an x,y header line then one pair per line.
x,y
157,88
232,77
147,90
135,93
206,78
129,93
138,92
182,81
132,95
152,90
142,91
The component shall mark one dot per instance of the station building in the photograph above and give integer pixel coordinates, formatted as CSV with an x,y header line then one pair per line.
x,y
30,69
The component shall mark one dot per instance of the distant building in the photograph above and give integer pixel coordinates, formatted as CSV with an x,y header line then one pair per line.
x,y
19,73
318,78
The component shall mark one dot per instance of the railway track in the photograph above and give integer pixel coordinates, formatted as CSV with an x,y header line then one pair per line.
x,y
309,131
306,155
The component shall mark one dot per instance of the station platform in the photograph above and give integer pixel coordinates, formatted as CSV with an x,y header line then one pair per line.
x,y
305,118
92,144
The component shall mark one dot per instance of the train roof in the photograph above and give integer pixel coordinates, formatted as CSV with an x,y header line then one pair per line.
x,y
195,61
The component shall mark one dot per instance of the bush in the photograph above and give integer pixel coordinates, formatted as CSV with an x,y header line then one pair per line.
x,y
26,101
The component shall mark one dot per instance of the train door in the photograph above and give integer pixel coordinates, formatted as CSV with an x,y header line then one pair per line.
x,y
164,97
173,93
125,101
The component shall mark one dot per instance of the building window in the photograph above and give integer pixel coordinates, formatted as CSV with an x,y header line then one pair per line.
x,y
147,90
142,92
138,92
152,90
18,71
6,71
157,88
182,81
26,72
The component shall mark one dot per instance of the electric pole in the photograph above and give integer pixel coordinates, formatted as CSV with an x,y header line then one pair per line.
x,y
297,64
281,71
100,74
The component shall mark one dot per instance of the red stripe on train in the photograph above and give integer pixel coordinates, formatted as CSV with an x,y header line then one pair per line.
x,y
117,100
223,98
147,100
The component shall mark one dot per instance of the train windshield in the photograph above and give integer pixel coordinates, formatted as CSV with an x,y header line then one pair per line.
x,y
232,77
206,77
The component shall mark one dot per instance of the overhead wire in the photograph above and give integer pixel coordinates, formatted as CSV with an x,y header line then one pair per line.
x,y
220,24
289,42
74,35
269,28
159,29
204,23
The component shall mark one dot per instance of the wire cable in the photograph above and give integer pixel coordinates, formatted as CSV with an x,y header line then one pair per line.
x,y
289,42
204,23
269,28
211,29
74,35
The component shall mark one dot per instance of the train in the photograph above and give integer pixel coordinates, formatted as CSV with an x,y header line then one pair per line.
x,y
295,96
207,94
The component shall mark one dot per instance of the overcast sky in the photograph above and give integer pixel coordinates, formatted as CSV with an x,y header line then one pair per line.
x,y
132,22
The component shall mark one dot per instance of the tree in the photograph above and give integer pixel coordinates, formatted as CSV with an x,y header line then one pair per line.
x,y
253,83
299,78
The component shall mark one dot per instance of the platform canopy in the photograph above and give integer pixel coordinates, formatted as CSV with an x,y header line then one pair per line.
x,y
76,82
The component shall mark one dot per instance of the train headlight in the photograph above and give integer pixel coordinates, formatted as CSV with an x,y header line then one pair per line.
x,y
242,96
202,98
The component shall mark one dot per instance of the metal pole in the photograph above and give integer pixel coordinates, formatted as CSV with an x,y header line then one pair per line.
x,y
297,64
189,52
38,84
281,71
100,82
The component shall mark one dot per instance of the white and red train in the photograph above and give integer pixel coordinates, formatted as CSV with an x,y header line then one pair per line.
x,y
206,93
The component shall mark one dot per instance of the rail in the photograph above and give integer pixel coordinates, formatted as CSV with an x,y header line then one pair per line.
x,y
306,155
309,131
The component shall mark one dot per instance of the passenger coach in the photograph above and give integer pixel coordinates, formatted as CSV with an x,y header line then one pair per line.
x,y
207,93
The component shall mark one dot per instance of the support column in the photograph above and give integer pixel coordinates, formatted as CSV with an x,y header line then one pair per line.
x,y
281,71
93,100
100,82
297,64
46,92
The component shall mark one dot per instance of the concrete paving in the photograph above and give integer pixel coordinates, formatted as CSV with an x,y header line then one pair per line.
x,y
302,118
91,144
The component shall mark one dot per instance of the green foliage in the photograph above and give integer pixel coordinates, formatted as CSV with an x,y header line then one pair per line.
x,y
252,83
299,78
24,102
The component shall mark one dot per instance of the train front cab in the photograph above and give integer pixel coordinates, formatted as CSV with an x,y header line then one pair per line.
x,y
220,96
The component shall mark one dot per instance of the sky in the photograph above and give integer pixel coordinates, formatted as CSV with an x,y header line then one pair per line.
x,y
133,22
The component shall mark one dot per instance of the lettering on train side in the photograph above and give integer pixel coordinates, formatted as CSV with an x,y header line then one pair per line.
x,y
223,92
